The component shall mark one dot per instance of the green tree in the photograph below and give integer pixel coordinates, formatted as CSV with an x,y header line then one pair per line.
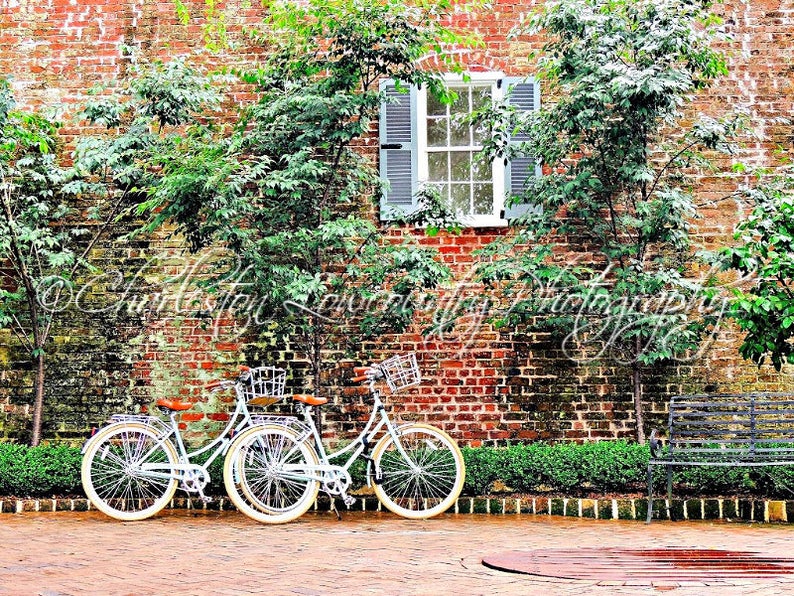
x,y
764,308
52,216
42,243
284,189
619,155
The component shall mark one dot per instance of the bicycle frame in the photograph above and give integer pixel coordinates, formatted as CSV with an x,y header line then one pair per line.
x,y
378,420
275,468
220,444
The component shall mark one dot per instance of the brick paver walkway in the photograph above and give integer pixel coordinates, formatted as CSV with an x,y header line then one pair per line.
x,y
183,552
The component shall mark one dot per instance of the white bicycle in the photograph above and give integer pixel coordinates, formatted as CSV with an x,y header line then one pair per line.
x,y
132,467
274,470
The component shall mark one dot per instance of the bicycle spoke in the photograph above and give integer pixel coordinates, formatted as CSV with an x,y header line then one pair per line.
x,y
112,474
428,481
265,474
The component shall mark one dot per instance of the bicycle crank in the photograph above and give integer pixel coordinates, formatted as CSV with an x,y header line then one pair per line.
x,y
337,481
194,481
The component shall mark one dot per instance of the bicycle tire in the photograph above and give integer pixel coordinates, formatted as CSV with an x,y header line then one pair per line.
x,y
109,476
427,488
253,481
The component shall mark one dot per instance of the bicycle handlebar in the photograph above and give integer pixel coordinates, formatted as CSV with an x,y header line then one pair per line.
x,y
367,373
219,385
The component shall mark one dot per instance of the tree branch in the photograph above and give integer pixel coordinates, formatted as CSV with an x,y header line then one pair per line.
x,y
784,285
21,265
116,209
19,330
669,163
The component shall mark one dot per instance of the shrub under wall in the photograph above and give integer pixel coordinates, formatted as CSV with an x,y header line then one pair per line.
x,y
42,471
608,467
603,467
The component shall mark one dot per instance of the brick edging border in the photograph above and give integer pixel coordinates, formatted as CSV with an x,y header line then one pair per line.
x,y
753,510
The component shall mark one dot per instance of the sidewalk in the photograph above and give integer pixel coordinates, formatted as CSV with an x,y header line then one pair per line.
x,y
184,553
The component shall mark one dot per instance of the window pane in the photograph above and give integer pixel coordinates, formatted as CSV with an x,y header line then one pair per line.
x,y
460,132
480,133
481,168
435,107
480,97
483,199
461,103
437,165
461,165
461,198
437,132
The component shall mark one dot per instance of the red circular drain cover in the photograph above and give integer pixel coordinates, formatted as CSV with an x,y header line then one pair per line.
x,y
617,564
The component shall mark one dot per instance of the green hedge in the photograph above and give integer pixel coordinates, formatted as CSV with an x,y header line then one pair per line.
x,y
608,467
603,467
42,471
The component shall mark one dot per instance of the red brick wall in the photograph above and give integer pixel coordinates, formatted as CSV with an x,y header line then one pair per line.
x,y
483,387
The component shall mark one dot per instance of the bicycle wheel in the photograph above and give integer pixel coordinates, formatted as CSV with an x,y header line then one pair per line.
x,y
266,474
426,485
112,474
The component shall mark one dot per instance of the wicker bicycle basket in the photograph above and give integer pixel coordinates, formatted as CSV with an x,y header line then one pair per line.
x,y
265,385
401,371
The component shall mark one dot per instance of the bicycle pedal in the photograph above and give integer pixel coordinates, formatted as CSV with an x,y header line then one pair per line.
x,y
206,499
349,500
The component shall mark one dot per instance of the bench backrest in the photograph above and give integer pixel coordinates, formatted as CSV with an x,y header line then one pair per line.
x,y
745,425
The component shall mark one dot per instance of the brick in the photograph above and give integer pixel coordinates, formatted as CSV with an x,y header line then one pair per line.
x,y
533,381
776,511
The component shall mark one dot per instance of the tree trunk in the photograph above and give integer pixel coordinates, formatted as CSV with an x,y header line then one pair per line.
x,y
636,378
317,364
38,402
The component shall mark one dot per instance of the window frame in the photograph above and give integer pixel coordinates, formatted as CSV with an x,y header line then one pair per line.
x,y
403,158
452,80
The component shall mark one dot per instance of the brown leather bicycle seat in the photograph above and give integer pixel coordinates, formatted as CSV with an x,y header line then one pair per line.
x,y
173,404
310,400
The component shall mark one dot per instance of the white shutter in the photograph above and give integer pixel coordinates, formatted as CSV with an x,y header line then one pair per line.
x,y
398,151
525,96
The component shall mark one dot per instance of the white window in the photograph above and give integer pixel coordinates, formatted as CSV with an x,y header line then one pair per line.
x,y
426,142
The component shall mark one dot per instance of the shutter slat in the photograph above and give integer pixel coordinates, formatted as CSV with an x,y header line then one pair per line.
x,y
523,95
399,172
397,154
520,169
398,116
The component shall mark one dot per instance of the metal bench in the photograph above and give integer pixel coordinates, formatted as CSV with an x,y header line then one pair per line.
x,y
737,430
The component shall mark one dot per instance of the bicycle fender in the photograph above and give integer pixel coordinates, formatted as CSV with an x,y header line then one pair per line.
x,y
94,432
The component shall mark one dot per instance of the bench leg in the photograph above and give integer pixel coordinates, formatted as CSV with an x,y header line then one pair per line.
x,y
650,493
669,491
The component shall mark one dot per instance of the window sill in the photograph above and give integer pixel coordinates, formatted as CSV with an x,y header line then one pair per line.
x,y
482,221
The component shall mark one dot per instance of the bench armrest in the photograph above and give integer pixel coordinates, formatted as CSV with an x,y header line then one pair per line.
x,y
655,443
